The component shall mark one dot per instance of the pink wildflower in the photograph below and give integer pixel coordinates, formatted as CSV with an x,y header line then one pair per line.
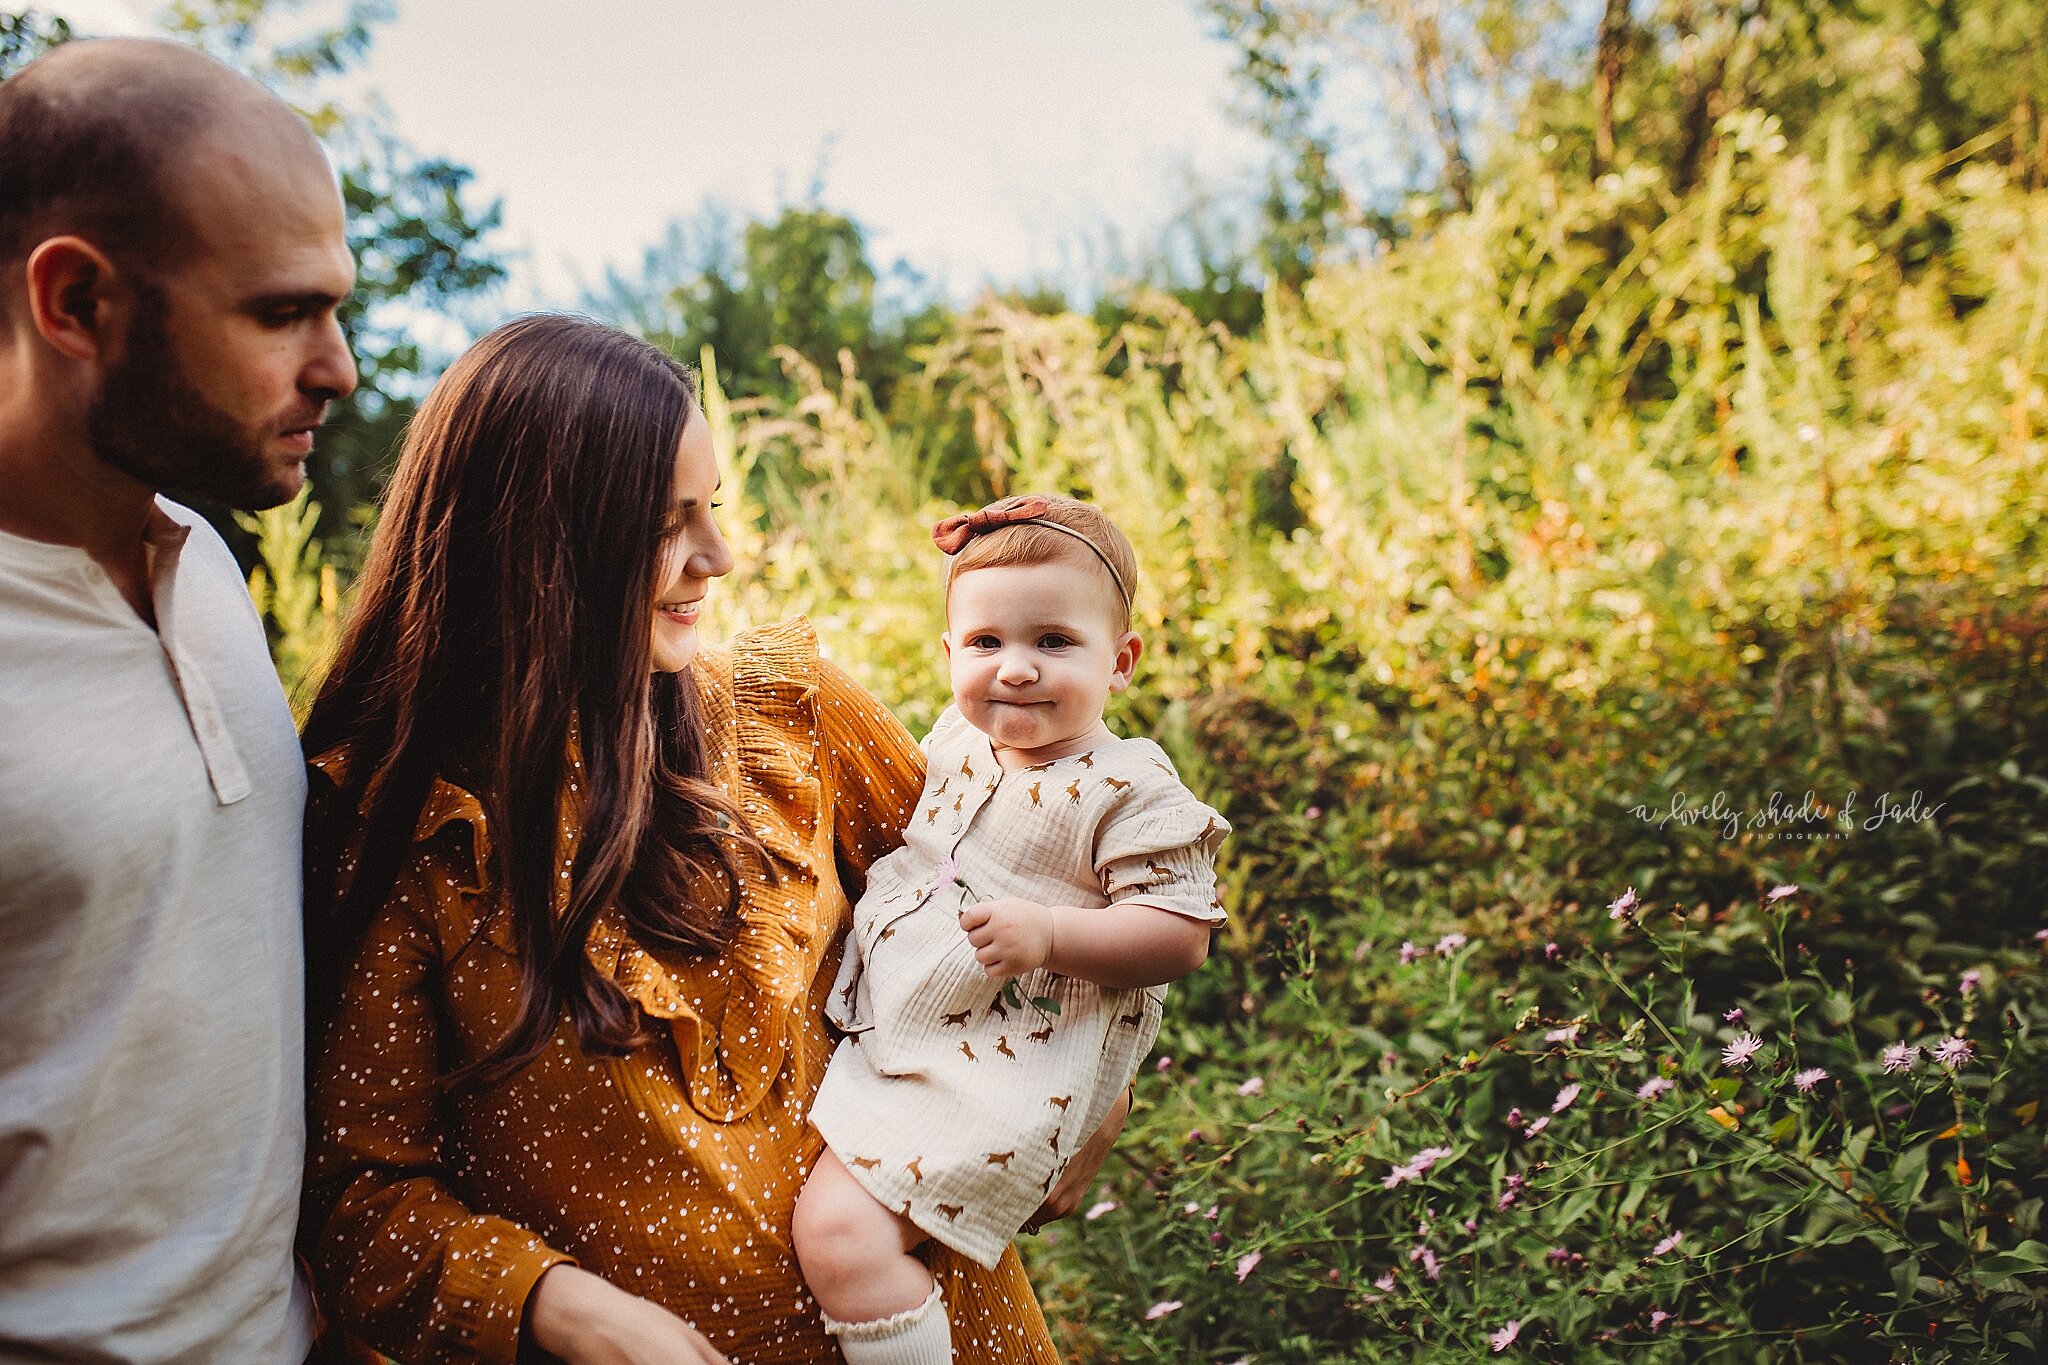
x,y
1652,1088
1778,893
1430,1266
1409,952
1384,1282
1900,1057
1565,1097
1968,985
1541,1122
1806,1080
1551,952
1954,1052
1733,1016
1450,943
1511,1190
1247,1263
1314,812
1166,1064
1160,1310
1668,1244
1657,1320
949,872
1252,1088
1742,1051
1211,1212
1096,1211
1514,1117
1505,1337
1619,907
1567,1035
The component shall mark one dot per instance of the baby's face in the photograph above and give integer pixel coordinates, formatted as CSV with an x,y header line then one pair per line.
x,y
1036,651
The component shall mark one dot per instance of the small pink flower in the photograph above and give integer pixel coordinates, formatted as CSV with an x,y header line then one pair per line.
x,y
1384,1282
1742,1051
1567,1035
1160,1310
1551,952
1511,1190
1252,1088
1900,1057
1968,985
1430,1266
1657,1320
1565,1097
1165,1064
1514,1117
1470,1225
1621,905
1778,893
1096,1211
1668,1244
949,872
1806,1080
1247,1263
1954,1052
2041,936
1505,1337
1450,943
1314,812
1409,952
1540,1123
1211,1212
1652,1088
1733,1016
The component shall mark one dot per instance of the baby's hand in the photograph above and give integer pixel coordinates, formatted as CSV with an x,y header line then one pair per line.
x,y
1010,936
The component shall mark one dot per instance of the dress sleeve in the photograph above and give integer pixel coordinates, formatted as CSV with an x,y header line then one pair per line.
x,y
875,770
399,1259
1158,847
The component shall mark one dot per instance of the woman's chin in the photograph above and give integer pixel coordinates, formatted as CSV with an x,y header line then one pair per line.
x,y
674,647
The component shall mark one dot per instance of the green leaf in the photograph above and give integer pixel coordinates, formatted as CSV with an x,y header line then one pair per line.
x,y
1046,1003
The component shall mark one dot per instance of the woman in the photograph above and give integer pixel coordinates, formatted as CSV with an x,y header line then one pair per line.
x,y
574,897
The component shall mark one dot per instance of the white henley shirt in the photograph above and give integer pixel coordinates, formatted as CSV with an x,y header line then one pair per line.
x,y
151,978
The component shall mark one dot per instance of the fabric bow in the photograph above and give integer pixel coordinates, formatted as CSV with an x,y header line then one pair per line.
x,y
952,534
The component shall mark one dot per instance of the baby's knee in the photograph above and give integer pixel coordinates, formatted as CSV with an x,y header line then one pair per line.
x,y
836,1231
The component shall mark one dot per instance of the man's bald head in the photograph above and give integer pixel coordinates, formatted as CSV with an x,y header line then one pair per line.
x,y
96,140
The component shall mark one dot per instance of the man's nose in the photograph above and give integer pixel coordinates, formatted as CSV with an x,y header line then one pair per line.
x,y
330,373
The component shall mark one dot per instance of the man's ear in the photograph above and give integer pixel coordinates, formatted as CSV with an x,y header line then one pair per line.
x,y
1127,651
74,292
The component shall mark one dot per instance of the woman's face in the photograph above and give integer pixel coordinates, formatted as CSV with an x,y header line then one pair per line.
x,y
692,551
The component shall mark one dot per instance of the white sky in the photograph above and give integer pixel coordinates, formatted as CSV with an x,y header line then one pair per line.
x,y
976,139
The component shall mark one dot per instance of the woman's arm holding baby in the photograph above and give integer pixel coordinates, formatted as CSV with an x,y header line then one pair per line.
x,y
1117,947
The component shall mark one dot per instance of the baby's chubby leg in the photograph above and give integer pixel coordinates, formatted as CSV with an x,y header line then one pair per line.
x,y
855,1254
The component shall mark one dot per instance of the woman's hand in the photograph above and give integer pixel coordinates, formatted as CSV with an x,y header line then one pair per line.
x,y
1079,1177
583,1319
1010,936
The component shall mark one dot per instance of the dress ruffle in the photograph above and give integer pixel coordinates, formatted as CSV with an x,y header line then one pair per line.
x,y
760,705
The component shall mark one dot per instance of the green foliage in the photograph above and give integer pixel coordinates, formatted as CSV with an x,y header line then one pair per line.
x,y
297,593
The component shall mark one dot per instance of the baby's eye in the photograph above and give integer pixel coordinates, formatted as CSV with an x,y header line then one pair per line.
x,y
1054,641
985,642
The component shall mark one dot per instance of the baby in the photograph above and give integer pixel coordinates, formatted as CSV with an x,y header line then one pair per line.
x,y
1006,968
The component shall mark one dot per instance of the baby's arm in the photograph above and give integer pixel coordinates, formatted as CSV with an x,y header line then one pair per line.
x,y
1117,946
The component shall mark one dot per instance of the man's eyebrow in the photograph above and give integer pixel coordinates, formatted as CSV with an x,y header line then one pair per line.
x,y
295,298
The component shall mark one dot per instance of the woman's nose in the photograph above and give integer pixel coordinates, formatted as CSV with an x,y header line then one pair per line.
x,y
711,558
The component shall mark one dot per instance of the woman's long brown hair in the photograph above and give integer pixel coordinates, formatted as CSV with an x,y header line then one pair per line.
x,y
506,598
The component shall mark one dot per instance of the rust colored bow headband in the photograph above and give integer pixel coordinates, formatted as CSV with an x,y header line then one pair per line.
x,y
952,534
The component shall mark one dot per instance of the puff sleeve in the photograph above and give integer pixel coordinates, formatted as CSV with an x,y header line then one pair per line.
x,y
1158,847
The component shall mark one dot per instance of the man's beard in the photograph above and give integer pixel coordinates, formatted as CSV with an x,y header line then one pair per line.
x,y
149,422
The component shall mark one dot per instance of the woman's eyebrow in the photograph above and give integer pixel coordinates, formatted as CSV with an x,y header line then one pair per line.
x,y
687,503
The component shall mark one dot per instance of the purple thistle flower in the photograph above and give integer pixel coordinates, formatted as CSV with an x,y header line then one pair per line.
x,y
1954,1052
1668,1244
1514,1117
1384,1282
1505,1337
1806,1080
1778,893
1968,985
1430,1266
1621,905
1551,952
1252,1088
1900,1057
1409,952
1733,1016
1652,1088
1565,1097
1247,1263
1450,943
1542,1121
1160,1310
1567,1035
1657,1320
1742,1051
1511,1190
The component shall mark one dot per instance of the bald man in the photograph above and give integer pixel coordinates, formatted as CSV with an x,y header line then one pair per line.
x,y
171,258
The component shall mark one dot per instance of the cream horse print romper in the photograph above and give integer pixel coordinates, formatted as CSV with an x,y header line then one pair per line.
x,y
955,1103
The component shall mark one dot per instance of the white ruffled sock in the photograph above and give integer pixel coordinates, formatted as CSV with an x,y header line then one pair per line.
x,y
917,1336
